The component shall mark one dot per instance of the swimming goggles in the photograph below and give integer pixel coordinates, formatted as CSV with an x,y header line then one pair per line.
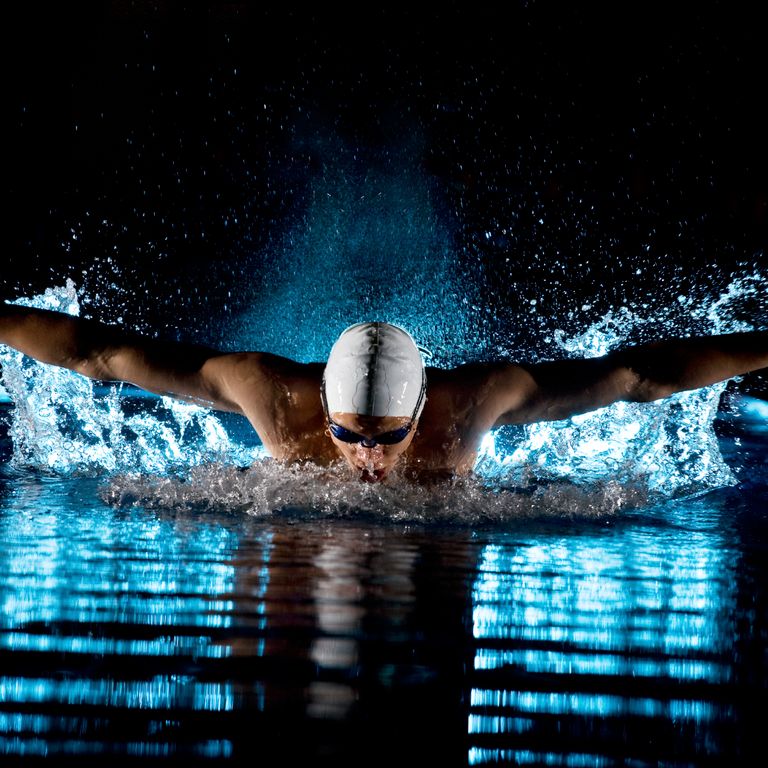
x,y
385,438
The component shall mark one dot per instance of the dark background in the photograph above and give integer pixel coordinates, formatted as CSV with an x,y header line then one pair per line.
x,y
160,153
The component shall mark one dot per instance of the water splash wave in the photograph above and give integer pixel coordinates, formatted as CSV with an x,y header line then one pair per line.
x,y
305,490
62,422
160,452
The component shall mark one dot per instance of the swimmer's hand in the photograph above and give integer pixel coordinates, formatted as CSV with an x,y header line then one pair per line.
x,y
521,394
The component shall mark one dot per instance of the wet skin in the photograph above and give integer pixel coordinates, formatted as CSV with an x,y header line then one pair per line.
x,y
281,397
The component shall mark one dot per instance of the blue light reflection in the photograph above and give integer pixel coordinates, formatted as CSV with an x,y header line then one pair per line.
x,y
597,629
94,600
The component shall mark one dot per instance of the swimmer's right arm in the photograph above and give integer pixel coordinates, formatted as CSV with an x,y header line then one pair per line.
x,y
108,353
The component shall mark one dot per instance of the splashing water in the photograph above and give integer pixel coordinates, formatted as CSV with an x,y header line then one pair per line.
x,y
372,221
668,447
306,490
159,452
60,423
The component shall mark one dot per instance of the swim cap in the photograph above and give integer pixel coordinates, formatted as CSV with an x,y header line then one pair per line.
x,y
375,369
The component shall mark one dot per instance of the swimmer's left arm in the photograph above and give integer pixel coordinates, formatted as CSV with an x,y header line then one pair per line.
x,y
521,394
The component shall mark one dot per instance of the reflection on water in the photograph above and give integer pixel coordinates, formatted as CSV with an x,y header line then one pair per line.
x,y
144,633
584,633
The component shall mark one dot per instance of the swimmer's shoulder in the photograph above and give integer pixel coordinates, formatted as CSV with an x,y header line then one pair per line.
x,y
470,381
470,397
254,366
247,376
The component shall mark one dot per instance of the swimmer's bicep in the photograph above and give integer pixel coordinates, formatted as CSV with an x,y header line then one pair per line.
x,y
187,372
247,383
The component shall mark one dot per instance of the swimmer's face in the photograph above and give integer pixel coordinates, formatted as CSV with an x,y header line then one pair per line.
x,y
372,464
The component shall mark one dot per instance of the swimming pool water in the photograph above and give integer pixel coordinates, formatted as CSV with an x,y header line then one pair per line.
x,y
136,634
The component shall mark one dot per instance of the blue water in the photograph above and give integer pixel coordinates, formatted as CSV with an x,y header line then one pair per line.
x,y
595,595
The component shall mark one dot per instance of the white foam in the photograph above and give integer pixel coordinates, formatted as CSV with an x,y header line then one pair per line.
x,y
269,488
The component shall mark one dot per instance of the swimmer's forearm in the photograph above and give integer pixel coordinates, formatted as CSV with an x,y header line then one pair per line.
x,y
558,390
53,337
104,352
678,365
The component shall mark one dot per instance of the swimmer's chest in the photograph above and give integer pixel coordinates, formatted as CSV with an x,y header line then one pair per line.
x,y
450,430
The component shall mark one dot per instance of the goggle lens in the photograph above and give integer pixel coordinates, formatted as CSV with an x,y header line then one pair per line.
x,y
385,438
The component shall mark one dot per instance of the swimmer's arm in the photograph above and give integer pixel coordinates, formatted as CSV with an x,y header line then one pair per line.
x,y
108,353
523,394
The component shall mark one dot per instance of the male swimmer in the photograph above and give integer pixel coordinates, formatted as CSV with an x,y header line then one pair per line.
x,y
373,403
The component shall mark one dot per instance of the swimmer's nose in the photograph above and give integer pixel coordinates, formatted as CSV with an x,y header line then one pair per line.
x,y
372,447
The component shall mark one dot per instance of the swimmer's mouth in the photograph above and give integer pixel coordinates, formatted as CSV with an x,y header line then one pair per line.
x,y
372,476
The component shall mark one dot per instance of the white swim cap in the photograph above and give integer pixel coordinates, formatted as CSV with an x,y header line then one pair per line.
x,y
375,369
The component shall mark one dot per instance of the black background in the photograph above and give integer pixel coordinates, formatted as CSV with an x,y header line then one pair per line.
x,y
599,150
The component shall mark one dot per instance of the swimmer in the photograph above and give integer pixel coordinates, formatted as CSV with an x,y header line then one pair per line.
x,y
373,404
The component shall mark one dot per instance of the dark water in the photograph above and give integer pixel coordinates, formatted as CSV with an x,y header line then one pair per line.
x,y
132,634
